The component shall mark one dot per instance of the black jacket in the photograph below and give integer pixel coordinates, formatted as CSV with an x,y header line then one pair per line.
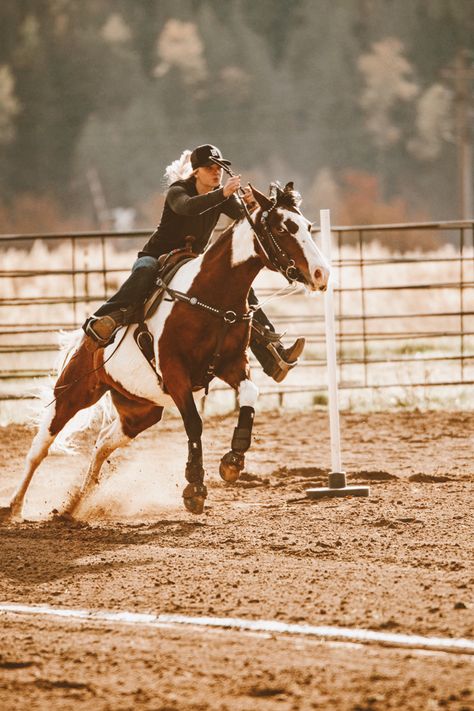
x,y
187,213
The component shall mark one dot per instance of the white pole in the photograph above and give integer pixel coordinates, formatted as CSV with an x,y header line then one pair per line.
x,y
337,478
336,465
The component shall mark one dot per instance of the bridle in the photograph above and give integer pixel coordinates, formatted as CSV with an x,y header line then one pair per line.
x,y
272,250
276,257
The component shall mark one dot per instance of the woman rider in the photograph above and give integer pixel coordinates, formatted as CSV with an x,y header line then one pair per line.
x,y
192,207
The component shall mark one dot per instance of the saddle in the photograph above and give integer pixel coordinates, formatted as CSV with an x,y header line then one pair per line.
x,y
168,265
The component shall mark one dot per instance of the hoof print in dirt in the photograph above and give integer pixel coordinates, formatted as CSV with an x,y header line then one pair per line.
x,y
194,497
231,465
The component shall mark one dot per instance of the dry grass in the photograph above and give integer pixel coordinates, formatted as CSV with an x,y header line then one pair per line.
x,y
409,312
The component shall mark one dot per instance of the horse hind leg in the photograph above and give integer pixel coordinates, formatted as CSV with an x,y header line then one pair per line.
x,y
38,451
51,425
110,438
133,418
65,406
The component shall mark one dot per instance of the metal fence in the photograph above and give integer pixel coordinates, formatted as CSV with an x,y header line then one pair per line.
x,y
405,320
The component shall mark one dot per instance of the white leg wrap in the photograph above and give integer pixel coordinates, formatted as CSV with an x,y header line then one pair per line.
x,y
248,393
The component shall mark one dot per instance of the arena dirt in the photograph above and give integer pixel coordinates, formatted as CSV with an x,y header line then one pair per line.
x,y
400,561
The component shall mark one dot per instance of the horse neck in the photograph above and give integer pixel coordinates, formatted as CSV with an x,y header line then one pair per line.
x,y
230,266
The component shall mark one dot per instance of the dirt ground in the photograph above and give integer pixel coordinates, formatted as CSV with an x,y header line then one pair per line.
x,y
401,560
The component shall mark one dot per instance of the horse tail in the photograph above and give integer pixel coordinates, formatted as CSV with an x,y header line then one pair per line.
x,y
103,411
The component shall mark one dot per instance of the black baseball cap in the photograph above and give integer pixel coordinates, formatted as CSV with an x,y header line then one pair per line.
x,y
203,156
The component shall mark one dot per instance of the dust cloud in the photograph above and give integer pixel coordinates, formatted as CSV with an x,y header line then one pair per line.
x,y
136,485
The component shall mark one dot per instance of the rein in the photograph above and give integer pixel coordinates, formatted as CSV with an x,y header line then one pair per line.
x,y
272,252
64,388
278,257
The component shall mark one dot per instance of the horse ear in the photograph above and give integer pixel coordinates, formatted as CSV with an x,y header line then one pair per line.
x,y
295,196
276,191
264,202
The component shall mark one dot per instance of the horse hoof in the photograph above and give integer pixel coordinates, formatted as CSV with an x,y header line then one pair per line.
x,y
231,465
194,497
6,514
194,504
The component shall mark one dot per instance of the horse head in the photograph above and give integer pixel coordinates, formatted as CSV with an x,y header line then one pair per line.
x,y
284,238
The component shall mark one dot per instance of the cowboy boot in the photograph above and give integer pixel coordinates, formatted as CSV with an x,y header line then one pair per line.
x,y
102,329
275,359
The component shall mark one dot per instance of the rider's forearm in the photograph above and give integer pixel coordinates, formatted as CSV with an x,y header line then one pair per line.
x,y
232,208
182,204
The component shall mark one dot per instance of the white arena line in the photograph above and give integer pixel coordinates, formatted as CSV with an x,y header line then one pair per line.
x,y
346,634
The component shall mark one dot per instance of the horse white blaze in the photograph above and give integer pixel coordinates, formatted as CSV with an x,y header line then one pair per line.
x,y
318,266
248,393
128,366
243,243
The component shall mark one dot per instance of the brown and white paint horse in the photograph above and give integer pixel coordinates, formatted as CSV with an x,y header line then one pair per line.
x,y
185,339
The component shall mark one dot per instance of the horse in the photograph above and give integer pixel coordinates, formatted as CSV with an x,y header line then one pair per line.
x,y
201,331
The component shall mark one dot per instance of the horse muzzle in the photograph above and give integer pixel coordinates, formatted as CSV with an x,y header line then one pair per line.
x,y
318,279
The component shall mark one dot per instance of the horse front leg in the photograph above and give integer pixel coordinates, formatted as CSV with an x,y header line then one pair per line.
x,y
195,493
178,385
233,462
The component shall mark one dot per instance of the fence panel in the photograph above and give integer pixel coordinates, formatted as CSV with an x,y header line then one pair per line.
x,y
405,321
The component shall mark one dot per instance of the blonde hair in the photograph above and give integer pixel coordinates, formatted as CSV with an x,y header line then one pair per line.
x,y
179,169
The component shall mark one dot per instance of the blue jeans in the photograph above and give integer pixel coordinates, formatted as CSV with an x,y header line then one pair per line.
x,y
259,315
135,289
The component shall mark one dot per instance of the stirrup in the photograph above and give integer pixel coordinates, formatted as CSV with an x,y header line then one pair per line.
x,y
102,329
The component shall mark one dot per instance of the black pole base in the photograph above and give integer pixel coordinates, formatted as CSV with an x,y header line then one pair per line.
x,y
326,491
337,488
